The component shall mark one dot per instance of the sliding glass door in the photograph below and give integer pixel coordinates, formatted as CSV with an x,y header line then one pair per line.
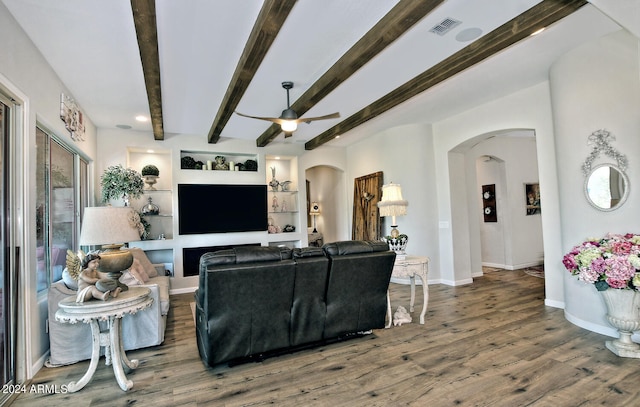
x,y
7,294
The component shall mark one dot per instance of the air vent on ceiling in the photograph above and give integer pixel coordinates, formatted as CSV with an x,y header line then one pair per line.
x,y
445,26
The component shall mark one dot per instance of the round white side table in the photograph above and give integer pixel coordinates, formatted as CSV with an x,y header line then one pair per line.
x,y
112,311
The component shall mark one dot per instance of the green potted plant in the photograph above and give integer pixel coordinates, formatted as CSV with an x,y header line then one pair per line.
x,y
118,182
150,174
150,170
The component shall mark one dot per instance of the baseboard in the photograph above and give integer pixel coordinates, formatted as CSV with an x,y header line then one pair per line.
x,y
457,282
514,267
590,326
185,290
554,304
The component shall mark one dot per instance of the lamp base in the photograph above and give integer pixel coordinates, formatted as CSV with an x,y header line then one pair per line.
x,y
397,245
113,261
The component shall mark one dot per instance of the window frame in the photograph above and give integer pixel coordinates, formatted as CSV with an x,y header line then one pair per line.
x,y
81,184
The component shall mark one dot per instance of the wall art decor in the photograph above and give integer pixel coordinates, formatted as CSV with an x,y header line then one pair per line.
x,y
72,117
489,203
532,198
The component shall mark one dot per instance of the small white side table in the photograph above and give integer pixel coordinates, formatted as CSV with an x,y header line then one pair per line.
x,y
90,312
411,266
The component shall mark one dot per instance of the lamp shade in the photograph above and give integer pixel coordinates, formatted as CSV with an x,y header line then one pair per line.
x,y
315,209
108,225
392,203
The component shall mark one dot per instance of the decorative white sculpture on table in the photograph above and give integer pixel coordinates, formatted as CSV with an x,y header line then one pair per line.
x,y
401,316
84,269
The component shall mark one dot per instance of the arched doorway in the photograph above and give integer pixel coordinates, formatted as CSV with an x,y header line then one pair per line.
x,y
326,186
506,159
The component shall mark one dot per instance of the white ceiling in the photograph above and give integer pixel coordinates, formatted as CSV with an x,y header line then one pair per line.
x,y
91,44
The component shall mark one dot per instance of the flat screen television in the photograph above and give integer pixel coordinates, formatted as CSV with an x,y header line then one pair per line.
x,y
221,208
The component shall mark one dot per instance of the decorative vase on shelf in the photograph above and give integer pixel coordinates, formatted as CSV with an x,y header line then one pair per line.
x,y
150,175
274,182
284,185
150,208
623,313
150,180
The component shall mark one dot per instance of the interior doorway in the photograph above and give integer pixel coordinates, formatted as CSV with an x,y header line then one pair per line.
x,y
326,187
508,160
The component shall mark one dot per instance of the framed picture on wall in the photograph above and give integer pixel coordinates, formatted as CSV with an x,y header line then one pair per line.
x,y
532,198
489,203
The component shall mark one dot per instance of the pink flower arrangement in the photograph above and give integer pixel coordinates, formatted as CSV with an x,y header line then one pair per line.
x,y
610,262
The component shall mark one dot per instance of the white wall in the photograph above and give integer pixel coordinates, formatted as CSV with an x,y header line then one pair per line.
x,y
405,156
24,70
515,241
593,87
526,109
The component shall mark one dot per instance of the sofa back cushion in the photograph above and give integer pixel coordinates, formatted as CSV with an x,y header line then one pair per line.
x,y
309,308
354,246
247,304
357,286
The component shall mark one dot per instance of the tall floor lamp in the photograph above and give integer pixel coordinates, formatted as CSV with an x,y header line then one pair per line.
x,y
314,212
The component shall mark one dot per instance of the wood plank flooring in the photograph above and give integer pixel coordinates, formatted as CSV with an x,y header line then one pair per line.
x,y
491,343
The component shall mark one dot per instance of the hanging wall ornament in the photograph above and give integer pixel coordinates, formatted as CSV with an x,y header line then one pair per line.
x,y
600,140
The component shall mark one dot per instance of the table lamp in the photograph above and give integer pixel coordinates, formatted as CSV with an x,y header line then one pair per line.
x,y
393,205
314,212
111,227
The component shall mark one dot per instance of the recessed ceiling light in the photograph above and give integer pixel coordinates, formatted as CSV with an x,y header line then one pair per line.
x,y
150,151
468,34
277,158
142,118
123,126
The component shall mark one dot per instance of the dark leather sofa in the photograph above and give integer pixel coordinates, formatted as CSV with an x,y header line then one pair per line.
x,y
255,302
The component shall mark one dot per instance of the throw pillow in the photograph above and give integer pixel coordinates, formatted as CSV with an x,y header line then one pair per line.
x,y
128,279
68,280
139,254
138,271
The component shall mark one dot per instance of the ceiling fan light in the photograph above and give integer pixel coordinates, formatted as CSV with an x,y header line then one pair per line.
x,y
289,126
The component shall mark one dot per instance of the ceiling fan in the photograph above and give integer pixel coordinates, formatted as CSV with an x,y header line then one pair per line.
x,y
289,120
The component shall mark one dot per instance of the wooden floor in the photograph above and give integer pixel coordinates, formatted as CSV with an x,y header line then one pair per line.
x,y
492,343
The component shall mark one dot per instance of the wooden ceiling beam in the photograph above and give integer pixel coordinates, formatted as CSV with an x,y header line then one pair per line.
x,y
542,15
395,23
144,19
271,18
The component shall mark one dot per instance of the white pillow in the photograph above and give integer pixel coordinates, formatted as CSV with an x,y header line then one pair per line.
x,y
68,280
128,279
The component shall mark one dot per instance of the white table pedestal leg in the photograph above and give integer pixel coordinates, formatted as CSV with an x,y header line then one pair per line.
x,y
413,292
425,291
116,357
95,357
389,321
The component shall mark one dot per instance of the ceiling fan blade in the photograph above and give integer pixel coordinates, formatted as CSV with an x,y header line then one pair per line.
x,y
269,119
310,119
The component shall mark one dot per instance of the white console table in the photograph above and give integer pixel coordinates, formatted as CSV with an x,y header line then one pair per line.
x,y
410,266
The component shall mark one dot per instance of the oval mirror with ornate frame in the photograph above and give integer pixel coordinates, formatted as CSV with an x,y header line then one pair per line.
x,y
606,187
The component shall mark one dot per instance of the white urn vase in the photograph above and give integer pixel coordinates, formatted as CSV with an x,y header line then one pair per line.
x,y
623,313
